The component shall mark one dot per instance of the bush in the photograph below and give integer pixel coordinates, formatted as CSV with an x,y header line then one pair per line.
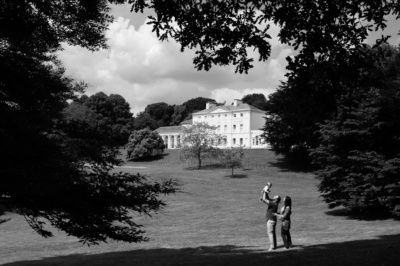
x,y
144,144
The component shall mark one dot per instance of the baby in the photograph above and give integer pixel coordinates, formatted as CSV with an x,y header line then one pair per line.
x,y
266,190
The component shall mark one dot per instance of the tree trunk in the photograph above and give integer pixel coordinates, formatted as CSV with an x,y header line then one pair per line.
x,y
199,163
232,171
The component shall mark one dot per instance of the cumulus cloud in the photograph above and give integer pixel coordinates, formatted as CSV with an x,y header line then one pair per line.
x,y
144,70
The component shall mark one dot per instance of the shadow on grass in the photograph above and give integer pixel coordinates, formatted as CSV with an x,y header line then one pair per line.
x,y
381,251
204,167
236,176
150,159
341,212
289,166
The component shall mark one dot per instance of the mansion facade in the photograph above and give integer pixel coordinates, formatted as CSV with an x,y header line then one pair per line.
x,y
239,124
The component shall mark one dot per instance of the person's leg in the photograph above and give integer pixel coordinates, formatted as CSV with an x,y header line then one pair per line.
x,y
284,237
274,233
289,238
271,234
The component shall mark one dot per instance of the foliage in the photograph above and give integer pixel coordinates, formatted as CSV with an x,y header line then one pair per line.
x,y
359,147
109,115
180,114
37,28
144,144
232,157
55,170
197,104
295,109
161,112
221,31
197,142
155,115
257,100
144,120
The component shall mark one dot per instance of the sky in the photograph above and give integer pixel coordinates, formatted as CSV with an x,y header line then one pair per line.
x,y
145,70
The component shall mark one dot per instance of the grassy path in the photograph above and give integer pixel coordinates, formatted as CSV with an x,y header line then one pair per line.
x,y
219,220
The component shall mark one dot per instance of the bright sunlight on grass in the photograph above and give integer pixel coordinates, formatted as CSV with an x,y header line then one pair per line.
x,y
219,220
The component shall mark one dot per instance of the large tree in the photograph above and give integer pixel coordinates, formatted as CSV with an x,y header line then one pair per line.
x,y
220,31
257,100
359,148
144,144
197,104
55,171
113,117
198,142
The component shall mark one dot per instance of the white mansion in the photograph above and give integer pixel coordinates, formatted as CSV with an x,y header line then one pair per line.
x,y
239,124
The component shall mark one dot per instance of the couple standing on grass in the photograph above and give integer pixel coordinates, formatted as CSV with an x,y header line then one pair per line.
x,y
273,214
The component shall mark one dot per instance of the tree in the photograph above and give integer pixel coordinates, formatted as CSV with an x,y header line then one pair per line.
x,y
161,112
65,179
257,100
223,30
144,144
180,113
232,157
144,120
197,104
294,111
358,154
197,142
113,117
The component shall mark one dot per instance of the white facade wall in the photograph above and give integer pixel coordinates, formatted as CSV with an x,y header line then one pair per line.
x,y
239,124
239,127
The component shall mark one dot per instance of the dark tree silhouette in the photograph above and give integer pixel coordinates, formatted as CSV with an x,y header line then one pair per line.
x,y
55,169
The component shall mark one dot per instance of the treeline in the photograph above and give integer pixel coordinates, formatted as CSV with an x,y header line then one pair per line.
x,y
113,121
162,114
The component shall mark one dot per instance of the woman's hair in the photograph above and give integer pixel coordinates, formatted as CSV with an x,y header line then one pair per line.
x,y
287,201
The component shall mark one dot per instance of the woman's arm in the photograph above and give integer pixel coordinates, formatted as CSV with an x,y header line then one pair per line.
x,y
286,213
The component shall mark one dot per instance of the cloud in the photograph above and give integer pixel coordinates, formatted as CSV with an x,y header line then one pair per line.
x,y
144,70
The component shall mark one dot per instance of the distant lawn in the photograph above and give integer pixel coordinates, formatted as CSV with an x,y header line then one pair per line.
x,y
219,220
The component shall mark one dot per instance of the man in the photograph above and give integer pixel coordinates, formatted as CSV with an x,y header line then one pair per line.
x,y
271,218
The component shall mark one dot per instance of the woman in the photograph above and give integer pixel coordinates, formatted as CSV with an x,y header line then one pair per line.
x,y
286,211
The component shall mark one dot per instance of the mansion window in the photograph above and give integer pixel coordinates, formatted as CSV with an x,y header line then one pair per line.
x,y
241,127
219,127
241,114
225,141
234,115
234,141
241,141
234,128
225,128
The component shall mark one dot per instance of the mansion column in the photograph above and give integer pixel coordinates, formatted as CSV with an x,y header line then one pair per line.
x,y
169,142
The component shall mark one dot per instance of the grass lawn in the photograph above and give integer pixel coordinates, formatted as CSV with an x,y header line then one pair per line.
x,y
219,220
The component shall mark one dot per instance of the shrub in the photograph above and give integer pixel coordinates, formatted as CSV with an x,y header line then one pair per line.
x,y
144,144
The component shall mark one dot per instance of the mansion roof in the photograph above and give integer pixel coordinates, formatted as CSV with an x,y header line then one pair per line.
x,y
169,130
229,108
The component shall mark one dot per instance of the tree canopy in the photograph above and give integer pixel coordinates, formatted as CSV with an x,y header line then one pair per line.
x,y
220,31
144,144
198,142
110,116
257,100
55,169
358,151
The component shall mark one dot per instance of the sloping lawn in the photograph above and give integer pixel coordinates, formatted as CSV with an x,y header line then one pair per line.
x,y
219,220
